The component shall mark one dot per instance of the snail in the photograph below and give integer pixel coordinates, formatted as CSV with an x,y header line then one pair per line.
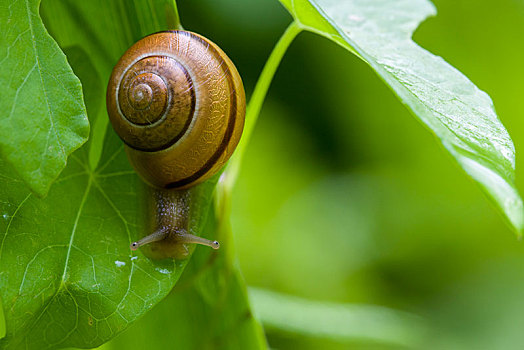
x,y
177,102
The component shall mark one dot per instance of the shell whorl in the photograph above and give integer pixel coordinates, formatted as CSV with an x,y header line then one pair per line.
x,y
177,102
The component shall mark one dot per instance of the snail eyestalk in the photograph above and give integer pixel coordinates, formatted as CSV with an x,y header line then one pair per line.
x,y
154,237
189,238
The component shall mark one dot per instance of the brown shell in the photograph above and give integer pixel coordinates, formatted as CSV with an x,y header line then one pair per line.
x,y
178,103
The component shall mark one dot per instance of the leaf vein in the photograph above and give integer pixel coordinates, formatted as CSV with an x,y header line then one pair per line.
x,y
10,221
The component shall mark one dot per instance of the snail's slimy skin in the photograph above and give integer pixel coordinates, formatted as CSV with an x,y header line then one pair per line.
x,y
178,104
171,210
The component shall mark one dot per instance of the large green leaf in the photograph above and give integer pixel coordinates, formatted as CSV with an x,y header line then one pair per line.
x,y
67,276
43,116
460,115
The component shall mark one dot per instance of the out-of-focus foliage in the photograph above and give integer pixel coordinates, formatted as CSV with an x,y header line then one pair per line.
x,y
340,322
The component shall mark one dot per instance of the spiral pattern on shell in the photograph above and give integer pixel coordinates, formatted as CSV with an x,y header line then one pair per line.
x,y
177,102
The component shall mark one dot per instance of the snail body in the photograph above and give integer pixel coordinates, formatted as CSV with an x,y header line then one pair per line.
x,y
177,102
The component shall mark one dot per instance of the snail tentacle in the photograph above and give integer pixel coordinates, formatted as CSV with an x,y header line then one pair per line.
x,y
154,237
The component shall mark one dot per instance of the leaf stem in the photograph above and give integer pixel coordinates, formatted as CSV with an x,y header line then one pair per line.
x,y
229,176
172,18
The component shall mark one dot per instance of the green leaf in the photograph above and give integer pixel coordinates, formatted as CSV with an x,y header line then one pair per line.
x,y
67,276
453,108
339,322
43,115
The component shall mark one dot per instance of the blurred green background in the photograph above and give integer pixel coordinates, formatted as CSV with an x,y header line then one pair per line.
x,y
345,197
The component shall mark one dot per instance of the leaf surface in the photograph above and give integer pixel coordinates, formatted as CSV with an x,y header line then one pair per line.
x,y
443,99
67,276
43,118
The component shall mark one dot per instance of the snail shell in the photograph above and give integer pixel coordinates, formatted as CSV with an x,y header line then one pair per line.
x,y
178,103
